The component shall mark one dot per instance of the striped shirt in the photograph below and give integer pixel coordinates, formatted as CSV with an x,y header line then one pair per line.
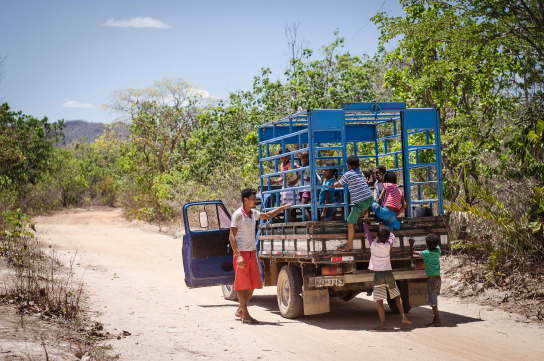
x,y
245,237
393,196
356,181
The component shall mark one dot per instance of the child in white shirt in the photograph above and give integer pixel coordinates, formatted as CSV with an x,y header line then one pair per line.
x,y
384,281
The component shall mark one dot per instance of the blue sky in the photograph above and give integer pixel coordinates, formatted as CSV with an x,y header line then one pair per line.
x,y
63,62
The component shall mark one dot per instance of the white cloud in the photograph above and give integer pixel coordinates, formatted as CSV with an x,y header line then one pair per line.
x,y
201,93
76,104
139,22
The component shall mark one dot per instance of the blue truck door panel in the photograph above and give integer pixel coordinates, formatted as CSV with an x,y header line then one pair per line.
x,y
207,255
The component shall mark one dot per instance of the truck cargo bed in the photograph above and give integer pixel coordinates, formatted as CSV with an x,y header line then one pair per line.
x,y
318,241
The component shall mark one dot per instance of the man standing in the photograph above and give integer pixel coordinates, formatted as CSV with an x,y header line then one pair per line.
x,y
242,241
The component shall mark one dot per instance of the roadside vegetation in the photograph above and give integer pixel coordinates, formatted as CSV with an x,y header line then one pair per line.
x,y
479,61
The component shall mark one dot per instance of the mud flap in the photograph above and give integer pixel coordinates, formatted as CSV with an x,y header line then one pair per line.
x,y
417,294
316,302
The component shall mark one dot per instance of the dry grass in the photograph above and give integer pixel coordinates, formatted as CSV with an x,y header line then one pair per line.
x,y
466,277
41,290
495,231
39,282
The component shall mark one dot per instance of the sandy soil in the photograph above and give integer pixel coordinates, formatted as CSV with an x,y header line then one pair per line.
x,y
135,279
22,339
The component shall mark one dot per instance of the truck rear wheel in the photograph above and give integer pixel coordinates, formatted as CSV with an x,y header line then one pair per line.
x,y
229,293
404,295
289,292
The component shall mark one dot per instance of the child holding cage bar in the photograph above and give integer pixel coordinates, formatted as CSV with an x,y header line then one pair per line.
x,y
292,180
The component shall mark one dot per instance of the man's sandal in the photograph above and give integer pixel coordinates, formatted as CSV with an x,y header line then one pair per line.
x,y
250,321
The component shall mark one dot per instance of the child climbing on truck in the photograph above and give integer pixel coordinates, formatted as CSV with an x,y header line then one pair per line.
x,y
384,281
361,197
390,203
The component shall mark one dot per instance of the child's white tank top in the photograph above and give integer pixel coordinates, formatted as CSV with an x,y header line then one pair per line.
x,y
380,259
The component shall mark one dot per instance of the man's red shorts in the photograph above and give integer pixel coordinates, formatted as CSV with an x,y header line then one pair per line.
x,y
249,277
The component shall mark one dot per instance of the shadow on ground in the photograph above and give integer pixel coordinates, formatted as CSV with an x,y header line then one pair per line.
x,y
358,314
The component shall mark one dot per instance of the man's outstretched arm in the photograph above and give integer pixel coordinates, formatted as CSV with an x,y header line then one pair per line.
x,y
275,212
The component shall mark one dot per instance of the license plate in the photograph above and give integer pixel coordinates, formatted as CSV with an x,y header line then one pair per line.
x,y
329,281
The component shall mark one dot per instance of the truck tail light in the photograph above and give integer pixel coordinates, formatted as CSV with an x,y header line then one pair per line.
x,y
329,271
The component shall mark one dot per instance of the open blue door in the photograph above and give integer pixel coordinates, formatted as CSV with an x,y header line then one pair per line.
x,y
207,254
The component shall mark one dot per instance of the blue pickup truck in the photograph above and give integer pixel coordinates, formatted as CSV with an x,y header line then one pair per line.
x,y
300,257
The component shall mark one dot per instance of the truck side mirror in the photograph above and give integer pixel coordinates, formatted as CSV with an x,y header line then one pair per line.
x,y
203,217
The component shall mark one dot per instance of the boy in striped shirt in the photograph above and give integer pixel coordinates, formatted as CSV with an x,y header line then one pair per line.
x,y
361,197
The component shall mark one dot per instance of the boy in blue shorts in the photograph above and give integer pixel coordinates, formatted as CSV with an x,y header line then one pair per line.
x,y
361,197
431,258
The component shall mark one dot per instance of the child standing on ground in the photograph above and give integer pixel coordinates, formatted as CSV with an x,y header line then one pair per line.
x,y
384,281
292,180
361,197
390,203
431,258
326,196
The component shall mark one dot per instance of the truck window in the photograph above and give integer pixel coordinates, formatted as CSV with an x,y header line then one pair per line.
x,y
207,217
224,220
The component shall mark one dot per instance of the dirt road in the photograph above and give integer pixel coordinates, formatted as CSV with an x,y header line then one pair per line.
x,y
148,297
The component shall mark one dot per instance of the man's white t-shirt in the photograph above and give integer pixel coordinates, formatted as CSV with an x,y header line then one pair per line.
x,y
245,237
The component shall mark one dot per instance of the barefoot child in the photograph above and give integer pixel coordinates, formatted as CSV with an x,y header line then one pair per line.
x,y
384,281
360,194
431,258
390,203
326,196
292,180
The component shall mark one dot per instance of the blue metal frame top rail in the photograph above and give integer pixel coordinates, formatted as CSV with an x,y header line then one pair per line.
x,y
325,135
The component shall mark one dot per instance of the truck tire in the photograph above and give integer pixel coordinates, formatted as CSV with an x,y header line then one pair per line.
x,y
229,293
404,295
289,292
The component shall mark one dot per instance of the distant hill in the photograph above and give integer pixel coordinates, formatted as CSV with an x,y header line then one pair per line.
x,y
80,128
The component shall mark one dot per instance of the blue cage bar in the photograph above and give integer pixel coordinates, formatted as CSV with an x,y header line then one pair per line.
x,y
408,138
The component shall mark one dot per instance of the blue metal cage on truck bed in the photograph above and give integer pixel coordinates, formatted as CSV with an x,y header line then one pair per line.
x,y
408,140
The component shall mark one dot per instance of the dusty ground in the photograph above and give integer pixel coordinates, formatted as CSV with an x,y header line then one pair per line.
x,y
135,278
22,339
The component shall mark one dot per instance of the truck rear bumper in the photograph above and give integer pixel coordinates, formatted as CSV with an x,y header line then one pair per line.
x,y
366,277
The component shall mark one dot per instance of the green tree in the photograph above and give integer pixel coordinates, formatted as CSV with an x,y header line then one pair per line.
x,y
160,117
26,146
442,61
